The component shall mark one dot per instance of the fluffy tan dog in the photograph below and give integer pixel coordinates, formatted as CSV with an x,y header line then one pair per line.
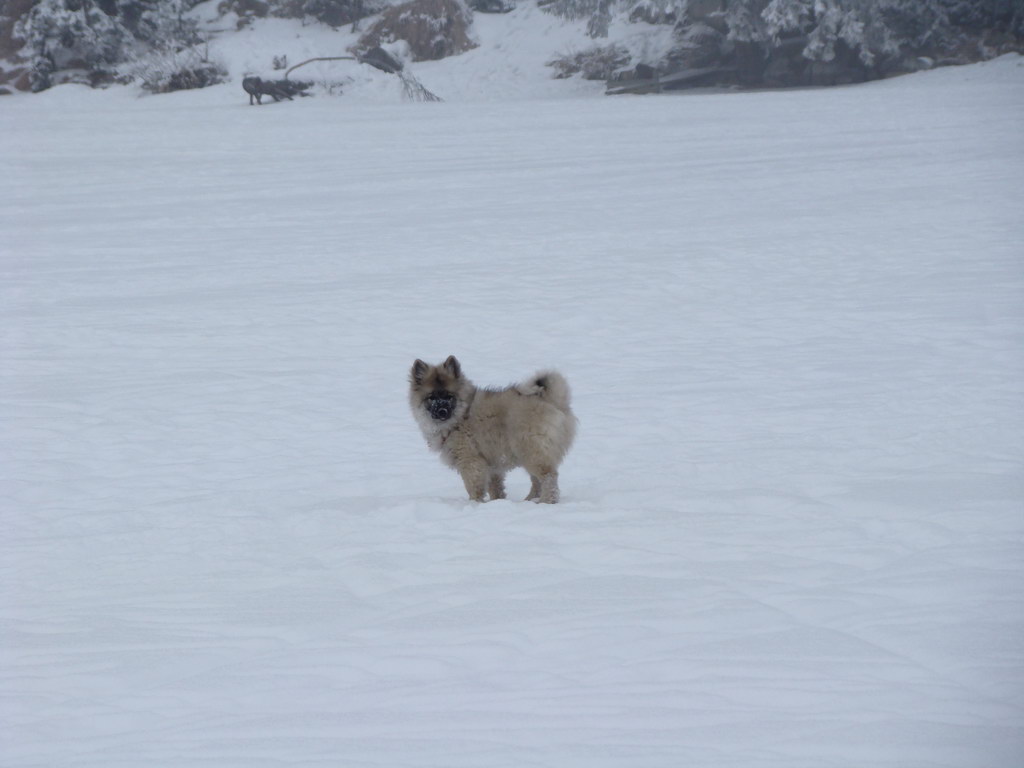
x,y
483,433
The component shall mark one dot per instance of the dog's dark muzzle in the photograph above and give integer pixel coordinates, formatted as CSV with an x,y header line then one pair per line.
x,y
441,407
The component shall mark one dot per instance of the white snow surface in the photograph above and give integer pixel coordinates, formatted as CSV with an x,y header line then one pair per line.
x,y
792,524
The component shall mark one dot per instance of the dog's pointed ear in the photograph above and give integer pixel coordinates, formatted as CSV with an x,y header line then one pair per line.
x,y
419,370
452,366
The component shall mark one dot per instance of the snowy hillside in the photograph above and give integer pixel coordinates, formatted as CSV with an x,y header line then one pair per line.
x,y
494,44
510,62
792,532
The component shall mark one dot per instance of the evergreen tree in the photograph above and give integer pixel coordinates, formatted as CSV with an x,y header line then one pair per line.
x,y
61,34
873,28
745,19
986,15
97,35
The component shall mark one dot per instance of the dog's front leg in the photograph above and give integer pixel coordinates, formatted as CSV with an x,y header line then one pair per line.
x,y
474,476
496,486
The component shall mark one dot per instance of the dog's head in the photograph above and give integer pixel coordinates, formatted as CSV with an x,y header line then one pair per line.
x,y
438,390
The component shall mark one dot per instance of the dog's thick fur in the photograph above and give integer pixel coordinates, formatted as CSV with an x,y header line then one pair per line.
x,y
483,433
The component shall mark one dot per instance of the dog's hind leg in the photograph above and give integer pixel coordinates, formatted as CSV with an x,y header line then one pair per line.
x,y
545,484
549,488
496,486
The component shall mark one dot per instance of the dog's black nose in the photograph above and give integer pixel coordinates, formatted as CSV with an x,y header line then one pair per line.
x,y
441,407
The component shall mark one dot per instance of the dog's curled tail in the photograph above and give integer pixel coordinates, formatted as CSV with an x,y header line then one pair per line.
x,y
550,386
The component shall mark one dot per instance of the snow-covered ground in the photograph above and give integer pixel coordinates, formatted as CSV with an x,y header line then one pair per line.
x,y
792,524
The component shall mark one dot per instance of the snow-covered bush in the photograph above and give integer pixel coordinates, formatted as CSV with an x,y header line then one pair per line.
x,y
166,71
596,63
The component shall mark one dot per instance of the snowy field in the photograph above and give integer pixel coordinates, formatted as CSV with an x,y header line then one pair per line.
x,y
793,520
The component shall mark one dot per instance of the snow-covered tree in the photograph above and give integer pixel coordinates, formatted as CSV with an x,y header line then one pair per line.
x,y
60,34
573,9
985,15
656,11
912,24
872,28
598,13
94,36
745,20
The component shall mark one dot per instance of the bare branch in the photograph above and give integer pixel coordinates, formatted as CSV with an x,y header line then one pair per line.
x,y
319,58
